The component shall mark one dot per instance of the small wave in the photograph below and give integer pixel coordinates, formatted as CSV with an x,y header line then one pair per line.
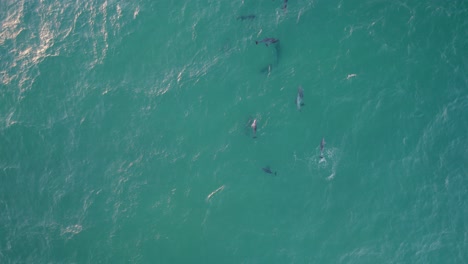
x,y
214,192
29,42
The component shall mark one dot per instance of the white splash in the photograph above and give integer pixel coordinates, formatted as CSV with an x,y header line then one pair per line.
x,y
351,76
135,13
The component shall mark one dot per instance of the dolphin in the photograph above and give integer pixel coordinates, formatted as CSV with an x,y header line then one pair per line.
x,y
300,98
268,170
267,41
322,146
267,69
285,4
246,17
254,128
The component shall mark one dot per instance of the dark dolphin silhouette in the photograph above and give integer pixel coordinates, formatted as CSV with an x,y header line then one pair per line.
x,y
300,97
322,146
268,170
246,17
267,41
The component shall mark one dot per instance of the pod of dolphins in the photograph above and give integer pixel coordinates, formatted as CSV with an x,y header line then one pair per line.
x,y
300,90
299,104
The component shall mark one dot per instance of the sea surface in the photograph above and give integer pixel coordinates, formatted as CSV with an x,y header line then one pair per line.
x,y
125,131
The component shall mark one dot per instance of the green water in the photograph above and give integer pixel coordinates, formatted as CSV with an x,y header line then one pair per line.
x,y
125,132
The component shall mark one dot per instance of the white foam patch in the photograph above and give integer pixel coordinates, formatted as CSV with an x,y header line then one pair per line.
x,y
71,230
352,75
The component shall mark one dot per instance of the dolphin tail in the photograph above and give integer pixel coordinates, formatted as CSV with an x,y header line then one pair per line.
x,y
256,42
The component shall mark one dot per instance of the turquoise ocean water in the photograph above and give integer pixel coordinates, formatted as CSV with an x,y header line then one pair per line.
x,y
125,132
